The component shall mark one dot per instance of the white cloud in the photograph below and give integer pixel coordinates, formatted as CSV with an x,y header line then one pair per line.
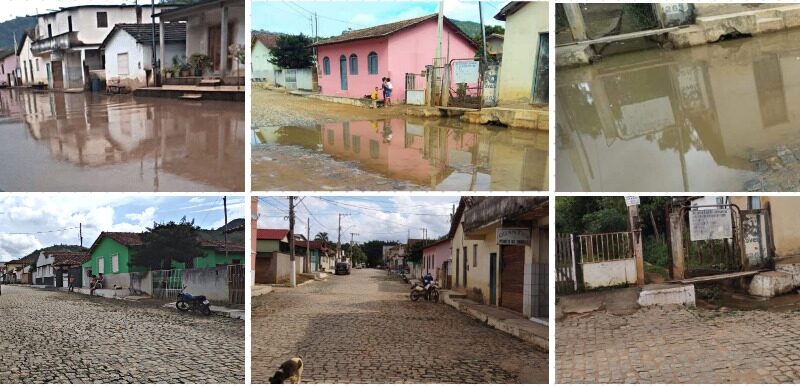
x,y
363,19
198,199
145,218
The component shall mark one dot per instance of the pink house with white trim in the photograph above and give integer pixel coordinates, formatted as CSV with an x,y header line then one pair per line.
x,y
433,258
352,64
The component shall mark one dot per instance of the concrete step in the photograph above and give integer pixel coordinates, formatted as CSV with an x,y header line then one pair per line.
x,y
667,294
771,283
191,96
769,24
791,268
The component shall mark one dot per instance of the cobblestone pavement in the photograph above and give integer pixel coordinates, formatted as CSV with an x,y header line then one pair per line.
x,y
363,328
678,345
48,336
777,169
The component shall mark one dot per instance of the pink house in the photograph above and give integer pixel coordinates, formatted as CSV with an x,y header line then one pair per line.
x,y
433,258
352,64
8,67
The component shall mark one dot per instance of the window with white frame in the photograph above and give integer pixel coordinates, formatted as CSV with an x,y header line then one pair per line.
x,y
115,263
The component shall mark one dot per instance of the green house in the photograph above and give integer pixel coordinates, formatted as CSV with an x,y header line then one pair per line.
x,y
112,251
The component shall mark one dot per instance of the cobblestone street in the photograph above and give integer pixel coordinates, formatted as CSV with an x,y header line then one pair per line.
x,y
48,336
363,328
678,345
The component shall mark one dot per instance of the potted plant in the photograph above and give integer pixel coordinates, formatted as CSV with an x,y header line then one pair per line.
x,y
198,63
180,67
237,53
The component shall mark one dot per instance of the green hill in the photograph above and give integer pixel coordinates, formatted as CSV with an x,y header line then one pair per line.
x,y
18,26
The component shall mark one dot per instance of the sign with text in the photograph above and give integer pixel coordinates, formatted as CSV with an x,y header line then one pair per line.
x,y
466,71
513,236
632,201
710,224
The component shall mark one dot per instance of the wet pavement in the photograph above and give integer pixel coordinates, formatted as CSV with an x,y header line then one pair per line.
x,y
54,141
720,117
399,154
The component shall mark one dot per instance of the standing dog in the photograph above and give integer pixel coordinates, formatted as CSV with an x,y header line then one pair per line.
x,y
289,372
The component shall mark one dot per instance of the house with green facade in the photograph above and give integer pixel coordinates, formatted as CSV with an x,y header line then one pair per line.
x,y
111,255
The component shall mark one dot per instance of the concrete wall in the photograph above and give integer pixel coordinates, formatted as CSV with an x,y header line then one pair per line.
x,y
84,22
197,32
304,78
211,282
8,70
784,210
434,257
520,50
262,70
609,273
27,58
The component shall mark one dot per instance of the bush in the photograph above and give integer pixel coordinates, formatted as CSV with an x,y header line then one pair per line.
x,y
656,252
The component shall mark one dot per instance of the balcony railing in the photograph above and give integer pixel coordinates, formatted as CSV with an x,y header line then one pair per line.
x,y
59,42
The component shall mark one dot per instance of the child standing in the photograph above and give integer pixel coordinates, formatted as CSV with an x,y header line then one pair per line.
x,y
387,92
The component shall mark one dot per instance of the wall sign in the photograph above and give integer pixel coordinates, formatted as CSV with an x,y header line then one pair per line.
x,y
465,71
513,236
710,224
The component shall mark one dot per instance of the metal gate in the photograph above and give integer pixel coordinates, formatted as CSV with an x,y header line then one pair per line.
x,y
236,284
291,79
710,254
464,85
167,283
566,266
756,235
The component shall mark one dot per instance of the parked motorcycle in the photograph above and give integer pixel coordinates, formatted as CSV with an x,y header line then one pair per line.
x,y
187,302
430,293
404,277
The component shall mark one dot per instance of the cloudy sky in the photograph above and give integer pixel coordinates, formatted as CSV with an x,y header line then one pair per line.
x,y
336,16
26,220
14,8
373,217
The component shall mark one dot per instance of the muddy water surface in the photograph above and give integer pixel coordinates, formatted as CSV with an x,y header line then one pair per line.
x,y
56,141
721,117
400,154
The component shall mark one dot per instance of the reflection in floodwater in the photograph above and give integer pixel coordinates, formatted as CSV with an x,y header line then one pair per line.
x,y
721,117
441,155
91,142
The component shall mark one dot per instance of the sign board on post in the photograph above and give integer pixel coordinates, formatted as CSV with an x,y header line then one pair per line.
x,y
632,201
513,236
465,71
710,224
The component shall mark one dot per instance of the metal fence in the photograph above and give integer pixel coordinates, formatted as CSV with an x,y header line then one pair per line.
x,y
167,283
236,280
615,246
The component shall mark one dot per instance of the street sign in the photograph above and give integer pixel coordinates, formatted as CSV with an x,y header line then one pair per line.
x,y
632,201
513,236
710,224
465,71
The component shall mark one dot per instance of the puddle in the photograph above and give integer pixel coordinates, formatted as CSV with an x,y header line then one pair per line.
x,y
436,155
56,141
720,117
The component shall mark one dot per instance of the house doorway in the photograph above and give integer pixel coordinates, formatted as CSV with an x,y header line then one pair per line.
x,y
540,91
58,74
466,263
512,267
343,72
493,279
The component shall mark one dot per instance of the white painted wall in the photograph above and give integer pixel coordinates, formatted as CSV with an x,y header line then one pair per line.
x,y
39,73
520,49
609,273
84,22
139,59
261,68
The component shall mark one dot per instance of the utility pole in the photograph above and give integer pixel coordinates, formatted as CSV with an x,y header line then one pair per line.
x,y
438,66
154,67
307,262
225,227
483,31
339,239
80,232
351,246
293,275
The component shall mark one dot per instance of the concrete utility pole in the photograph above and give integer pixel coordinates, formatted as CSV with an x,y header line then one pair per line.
x,y
352,234
635,227
154,68
575,20
225,227
339,239
483,31
307,262
438,66
80,232
293,275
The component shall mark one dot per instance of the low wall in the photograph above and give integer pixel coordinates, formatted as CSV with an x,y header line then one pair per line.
x,y
210,282
609,273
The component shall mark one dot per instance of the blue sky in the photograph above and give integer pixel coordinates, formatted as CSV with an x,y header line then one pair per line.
x,y
23,215
373,217
337,16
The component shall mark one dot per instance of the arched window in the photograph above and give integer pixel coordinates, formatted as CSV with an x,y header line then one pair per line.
x,y
353,64
372,63
326,66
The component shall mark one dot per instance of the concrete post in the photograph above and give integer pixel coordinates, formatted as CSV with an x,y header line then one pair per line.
x,y
676,245
223,52
161,59
575,20
638,253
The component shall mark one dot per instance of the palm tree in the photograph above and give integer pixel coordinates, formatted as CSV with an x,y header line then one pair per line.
x,y
322,237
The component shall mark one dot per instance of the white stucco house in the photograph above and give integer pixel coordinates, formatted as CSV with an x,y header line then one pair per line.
x,y
261,68
68,40
31,70
128,51
212,26
524,71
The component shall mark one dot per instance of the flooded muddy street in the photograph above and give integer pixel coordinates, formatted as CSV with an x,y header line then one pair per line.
x,y
54,141
399,154
719,117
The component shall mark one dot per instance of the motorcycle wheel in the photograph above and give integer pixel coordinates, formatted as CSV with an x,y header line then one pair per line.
x,y
205,310
414,295
182,306
435,296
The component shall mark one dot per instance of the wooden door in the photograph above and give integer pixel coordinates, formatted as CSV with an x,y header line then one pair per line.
x,y
58,74
512,269
493,279
214,49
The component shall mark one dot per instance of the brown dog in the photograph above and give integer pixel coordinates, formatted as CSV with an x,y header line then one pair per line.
x,y
289,372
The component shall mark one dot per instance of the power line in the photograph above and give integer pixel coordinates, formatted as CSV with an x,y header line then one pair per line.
x,y
39,232
377,210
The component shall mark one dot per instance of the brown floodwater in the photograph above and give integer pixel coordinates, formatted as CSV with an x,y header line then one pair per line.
x,y
439,155
54,141
720,117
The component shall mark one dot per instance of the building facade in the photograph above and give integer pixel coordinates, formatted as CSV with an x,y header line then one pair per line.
x,y
128,52
524,66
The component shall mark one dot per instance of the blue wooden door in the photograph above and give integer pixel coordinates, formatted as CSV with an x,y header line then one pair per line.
x,y
343,72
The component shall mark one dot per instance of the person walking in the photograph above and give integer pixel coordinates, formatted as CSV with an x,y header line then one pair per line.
x,y
387,92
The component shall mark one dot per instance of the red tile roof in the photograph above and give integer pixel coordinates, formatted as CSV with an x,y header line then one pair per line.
x,y
271,233
269,40
68,258
384,30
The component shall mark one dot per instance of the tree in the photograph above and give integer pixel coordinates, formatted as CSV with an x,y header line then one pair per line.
x,y
357,254
374,251
165,242
415,252
479,40
322,237
292,52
